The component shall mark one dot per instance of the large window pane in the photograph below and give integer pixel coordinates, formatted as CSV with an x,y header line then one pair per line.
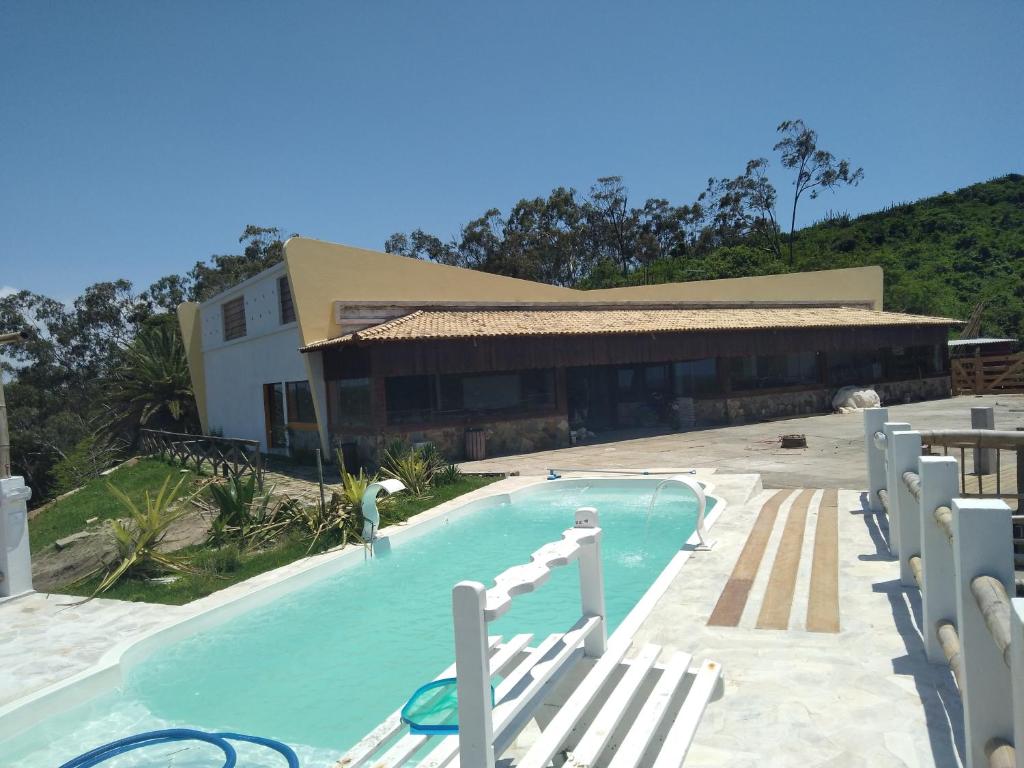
x,y
429,398
350,402
914,362
692,378
854,367
410,399
773,371
300,402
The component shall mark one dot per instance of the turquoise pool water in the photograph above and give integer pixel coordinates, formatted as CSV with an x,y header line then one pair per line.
x,y
319,667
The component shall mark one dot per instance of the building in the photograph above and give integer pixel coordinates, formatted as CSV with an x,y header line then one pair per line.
x,y
339,347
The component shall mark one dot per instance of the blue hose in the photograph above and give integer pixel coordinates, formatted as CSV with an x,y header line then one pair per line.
x,y
151,738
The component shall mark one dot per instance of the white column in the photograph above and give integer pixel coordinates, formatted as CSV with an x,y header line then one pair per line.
x,y
892,484
318,389
939,484
874,420
983,417
1017,664
15,557
982,546
472,671
906,453
592,584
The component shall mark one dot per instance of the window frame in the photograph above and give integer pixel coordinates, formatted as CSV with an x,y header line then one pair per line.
x,y
284,291
232,315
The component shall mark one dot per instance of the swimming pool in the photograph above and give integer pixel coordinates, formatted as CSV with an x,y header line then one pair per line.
x,y
320,666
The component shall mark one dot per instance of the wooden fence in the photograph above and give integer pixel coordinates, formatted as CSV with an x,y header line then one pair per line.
x,y
225,456
988,375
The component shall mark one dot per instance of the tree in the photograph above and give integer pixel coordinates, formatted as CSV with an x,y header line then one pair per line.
x,y
153,388
264,247
743,208
816,169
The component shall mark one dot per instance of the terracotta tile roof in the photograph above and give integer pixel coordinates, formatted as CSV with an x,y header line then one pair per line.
x,y
464,324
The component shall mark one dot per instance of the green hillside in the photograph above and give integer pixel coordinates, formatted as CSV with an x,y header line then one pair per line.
x,y
941,255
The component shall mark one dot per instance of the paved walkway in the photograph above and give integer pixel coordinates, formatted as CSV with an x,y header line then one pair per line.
x,y
834,455
804,695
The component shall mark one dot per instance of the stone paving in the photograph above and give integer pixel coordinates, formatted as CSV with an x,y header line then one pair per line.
x,y
834,456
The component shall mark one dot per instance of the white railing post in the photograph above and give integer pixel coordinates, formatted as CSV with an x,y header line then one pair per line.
x,y
982,546
472,671
906,455
1016,668
939,484
893,480
592,584
874,419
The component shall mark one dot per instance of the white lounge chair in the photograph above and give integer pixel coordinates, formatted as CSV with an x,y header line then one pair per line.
x,y
621,714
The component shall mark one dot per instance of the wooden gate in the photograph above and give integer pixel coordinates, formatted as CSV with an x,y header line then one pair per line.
x,y
988,375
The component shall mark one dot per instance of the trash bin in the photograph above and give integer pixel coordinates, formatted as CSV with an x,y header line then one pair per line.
x,y
476,444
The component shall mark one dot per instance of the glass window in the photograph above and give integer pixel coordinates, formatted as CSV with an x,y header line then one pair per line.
x,y
695,377
773,371
410,399
233,315
854,367
539,388
914,362
350,402
626,378
284,297
425,398
300,403
273,406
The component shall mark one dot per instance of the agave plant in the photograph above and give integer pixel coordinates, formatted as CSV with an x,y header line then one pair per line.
x,y
244,511
449,474
139,537
411,467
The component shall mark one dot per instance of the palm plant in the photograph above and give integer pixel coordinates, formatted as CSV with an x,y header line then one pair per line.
x,y
153,386
139,537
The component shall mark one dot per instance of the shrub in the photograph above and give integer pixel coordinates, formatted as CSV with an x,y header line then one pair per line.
x,y
449,474
139,537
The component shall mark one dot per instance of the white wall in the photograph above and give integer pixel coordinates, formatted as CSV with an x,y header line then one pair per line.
x,y
237,370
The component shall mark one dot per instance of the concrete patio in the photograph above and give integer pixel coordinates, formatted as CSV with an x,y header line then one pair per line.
x,y
833,457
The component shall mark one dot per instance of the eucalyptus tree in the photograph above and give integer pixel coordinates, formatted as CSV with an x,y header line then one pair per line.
x,y
816,168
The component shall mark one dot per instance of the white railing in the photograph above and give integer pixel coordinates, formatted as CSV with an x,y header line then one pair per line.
x,y
959,553
473,607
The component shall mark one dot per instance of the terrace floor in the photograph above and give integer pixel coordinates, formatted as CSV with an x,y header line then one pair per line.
x,y
834,456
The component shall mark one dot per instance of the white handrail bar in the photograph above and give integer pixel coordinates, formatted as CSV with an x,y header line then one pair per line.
x,y
473,607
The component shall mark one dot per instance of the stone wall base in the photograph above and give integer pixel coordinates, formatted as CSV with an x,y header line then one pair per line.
x,y
780,405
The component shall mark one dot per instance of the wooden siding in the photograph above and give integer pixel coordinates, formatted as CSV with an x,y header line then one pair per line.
x,y
517,353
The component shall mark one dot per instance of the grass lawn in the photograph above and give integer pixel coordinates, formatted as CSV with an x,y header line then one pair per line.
x,y
68,515
217,569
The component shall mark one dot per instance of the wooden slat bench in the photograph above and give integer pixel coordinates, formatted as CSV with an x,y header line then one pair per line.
x,y
622,713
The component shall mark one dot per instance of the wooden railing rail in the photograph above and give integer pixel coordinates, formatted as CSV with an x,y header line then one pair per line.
x,y
225,456
959,553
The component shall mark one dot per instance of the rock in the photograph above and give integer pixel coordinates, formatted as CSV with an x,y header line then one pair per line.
x,y
67,541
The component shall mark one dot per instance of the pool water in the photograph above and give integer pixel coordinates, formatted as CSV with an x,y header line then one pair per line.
x,y
320,667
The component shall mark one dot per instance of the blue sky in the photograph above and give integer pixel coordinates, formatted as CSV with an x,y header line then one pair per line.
x,y
137,137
